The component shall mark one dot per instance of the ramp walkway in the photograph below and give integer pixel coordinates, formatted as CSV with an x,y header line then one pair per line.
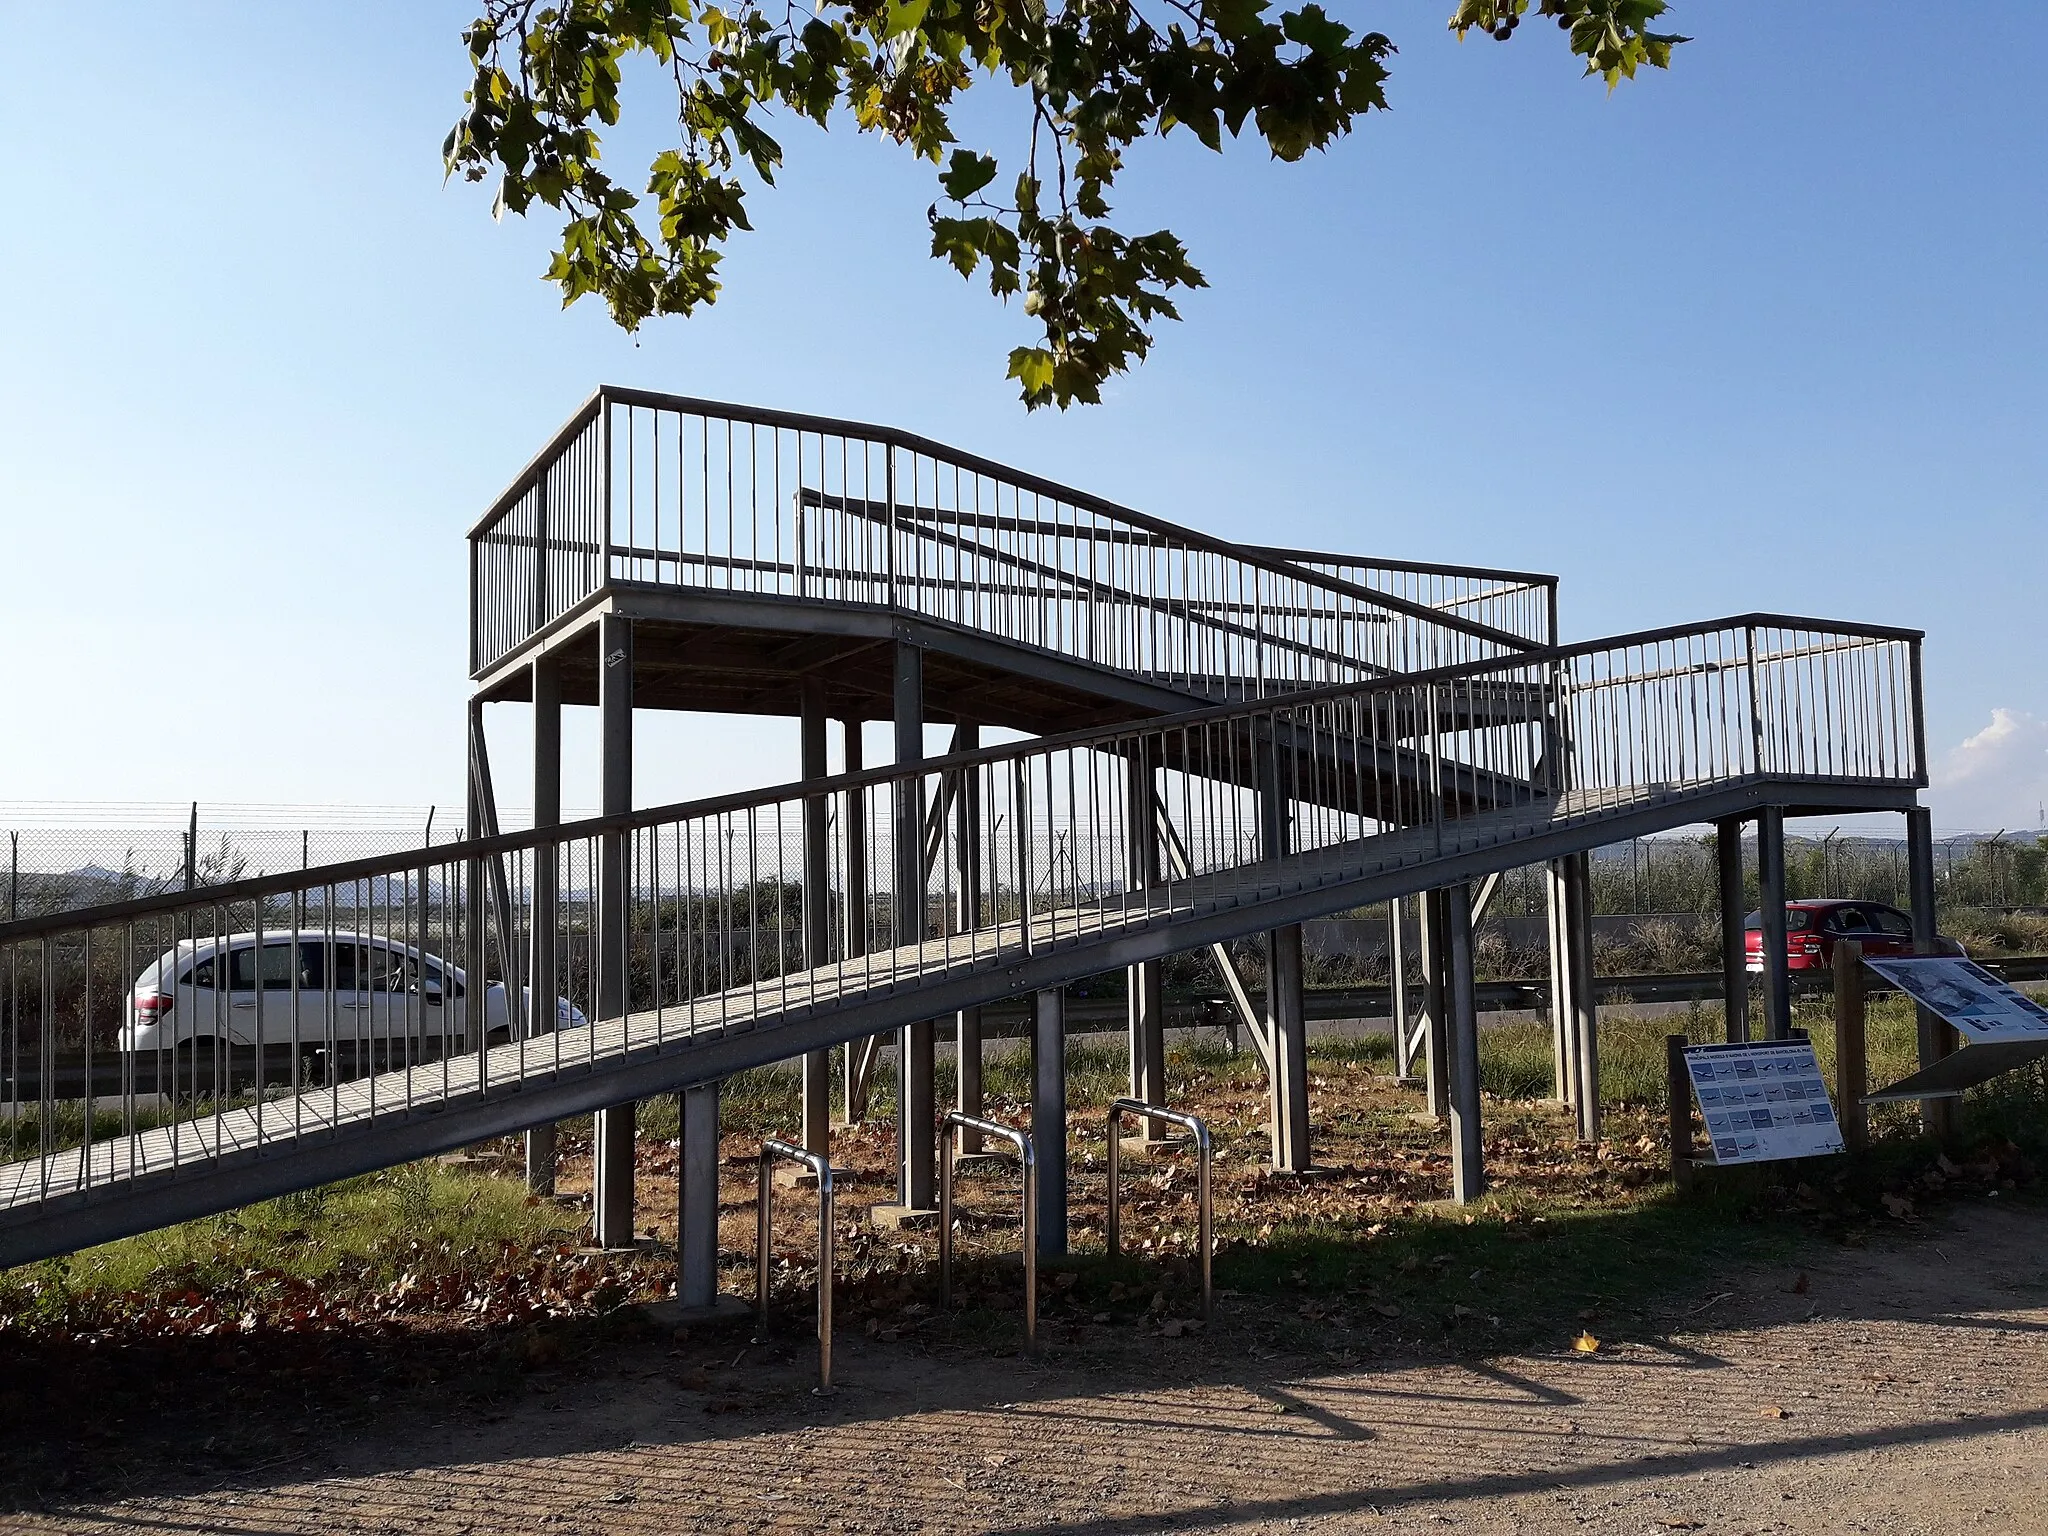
x,y
721,945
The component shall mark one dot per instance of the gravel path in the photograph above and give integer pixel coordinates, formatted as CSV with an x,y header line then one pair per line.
x,y
1903,1388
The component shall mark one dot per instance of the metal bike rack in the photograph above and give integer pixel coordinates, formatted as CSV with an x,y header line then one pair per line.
x,y
1200,1132
822,1167
952,1125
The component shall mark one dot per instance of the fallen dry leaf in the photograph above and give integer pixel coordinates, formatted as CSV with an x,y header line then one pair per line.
x,y
1586,1344
1386,1309
1772,1412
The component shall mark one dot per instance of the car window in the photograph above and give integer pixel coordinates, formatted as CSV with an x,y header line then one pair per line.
x,y
1893,923
1850,920
276,968
201,975
1797,919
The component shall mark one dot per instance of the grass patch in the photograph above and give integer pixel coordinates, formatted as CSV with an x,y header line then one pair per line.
x,y
365,1229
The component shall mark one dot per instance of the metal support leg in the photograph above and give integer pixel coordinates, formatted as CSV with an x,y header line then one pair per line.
x,y
967,864
541,963
1286,1023
817,911
1435,1004
1734,955
1468,1172
1770,866
1564,1037
853,938
916,1098
1937,1038
1397,983
1143,982
1585,1009
697,1197
612,1140
1049,1118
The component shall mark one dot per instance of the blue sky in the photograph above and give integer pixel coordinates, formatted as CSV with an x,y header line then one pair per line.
x,y
1765,332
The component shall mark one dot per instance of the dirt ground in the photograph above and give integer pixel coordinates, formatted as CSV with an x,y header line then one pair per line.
x,y
1903,1387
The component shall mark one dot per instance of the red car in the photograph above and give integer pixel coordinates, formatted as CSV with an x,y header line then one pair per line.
x,y
1811,928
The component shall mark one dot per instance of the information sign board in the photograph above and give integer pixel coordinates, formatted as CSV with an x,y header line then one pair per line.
x,y
1967,995
1763,1100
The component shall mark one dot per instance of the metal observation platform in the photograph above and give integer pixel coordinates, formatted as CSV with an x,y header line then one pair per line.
x,y
1219,742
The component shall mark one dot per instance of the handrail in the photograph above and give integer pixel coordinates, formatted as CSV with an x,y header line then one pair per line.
x,y
1113,1226
568,525
820,1165
954,1123
911,442
1298,702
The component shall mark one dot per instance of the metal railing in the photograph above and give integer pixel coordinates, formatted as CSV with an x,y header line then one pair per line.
x,y
1522,603
950,1128
676,492
1205,1240
685,924
772,1149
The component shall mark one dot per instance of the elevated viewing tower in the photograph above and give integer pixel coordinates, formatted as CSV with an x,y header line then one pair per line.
x,y
1218,742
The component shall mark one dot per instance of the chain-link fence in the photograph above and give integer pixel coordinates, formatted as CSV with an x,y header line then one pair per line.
x,y
58,858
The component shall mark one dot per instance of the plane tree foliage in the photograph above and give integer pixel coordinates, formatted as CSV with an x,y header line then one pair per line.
x,y
1031,218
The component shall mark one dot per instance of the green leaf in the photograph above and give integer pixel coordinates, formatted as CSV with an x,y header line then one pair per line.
x,y
904,16
968,174
1032,368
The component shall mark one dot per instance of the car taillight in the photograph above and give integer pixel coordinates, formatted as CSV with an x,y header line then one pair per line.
x,y
150,1007
1811,946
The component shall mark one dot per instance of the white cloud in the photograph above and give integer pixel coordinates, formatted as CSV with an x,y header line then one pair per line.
x,y
1995,779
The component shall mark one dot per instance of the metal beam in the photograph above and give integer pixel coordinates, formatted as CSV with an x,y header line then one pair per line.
x,y
966,917
817,910
1770,863
1734,944
1935,1037
1468,1170
612,1135
916,1063
541,965
1049,1118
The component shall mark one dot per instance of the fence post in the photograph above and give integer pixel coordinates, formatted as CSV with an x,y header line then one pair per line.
x,y
1851,1074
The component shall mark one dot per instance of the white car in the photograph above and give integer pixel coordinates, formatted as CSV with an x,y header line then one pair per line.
x,y
353,987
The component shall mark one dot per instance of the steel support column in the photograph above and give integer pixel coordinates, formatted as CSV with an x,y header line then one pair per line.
x,y
1734,955
1563,1007
817,909
541,963
966,918
1770,877
1144,982
1936,1036
697,1197
1286,1024
1397,984
612,1134
1435,1004
916,1108
1585,1050
853,937
1468,1171
1049,1117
